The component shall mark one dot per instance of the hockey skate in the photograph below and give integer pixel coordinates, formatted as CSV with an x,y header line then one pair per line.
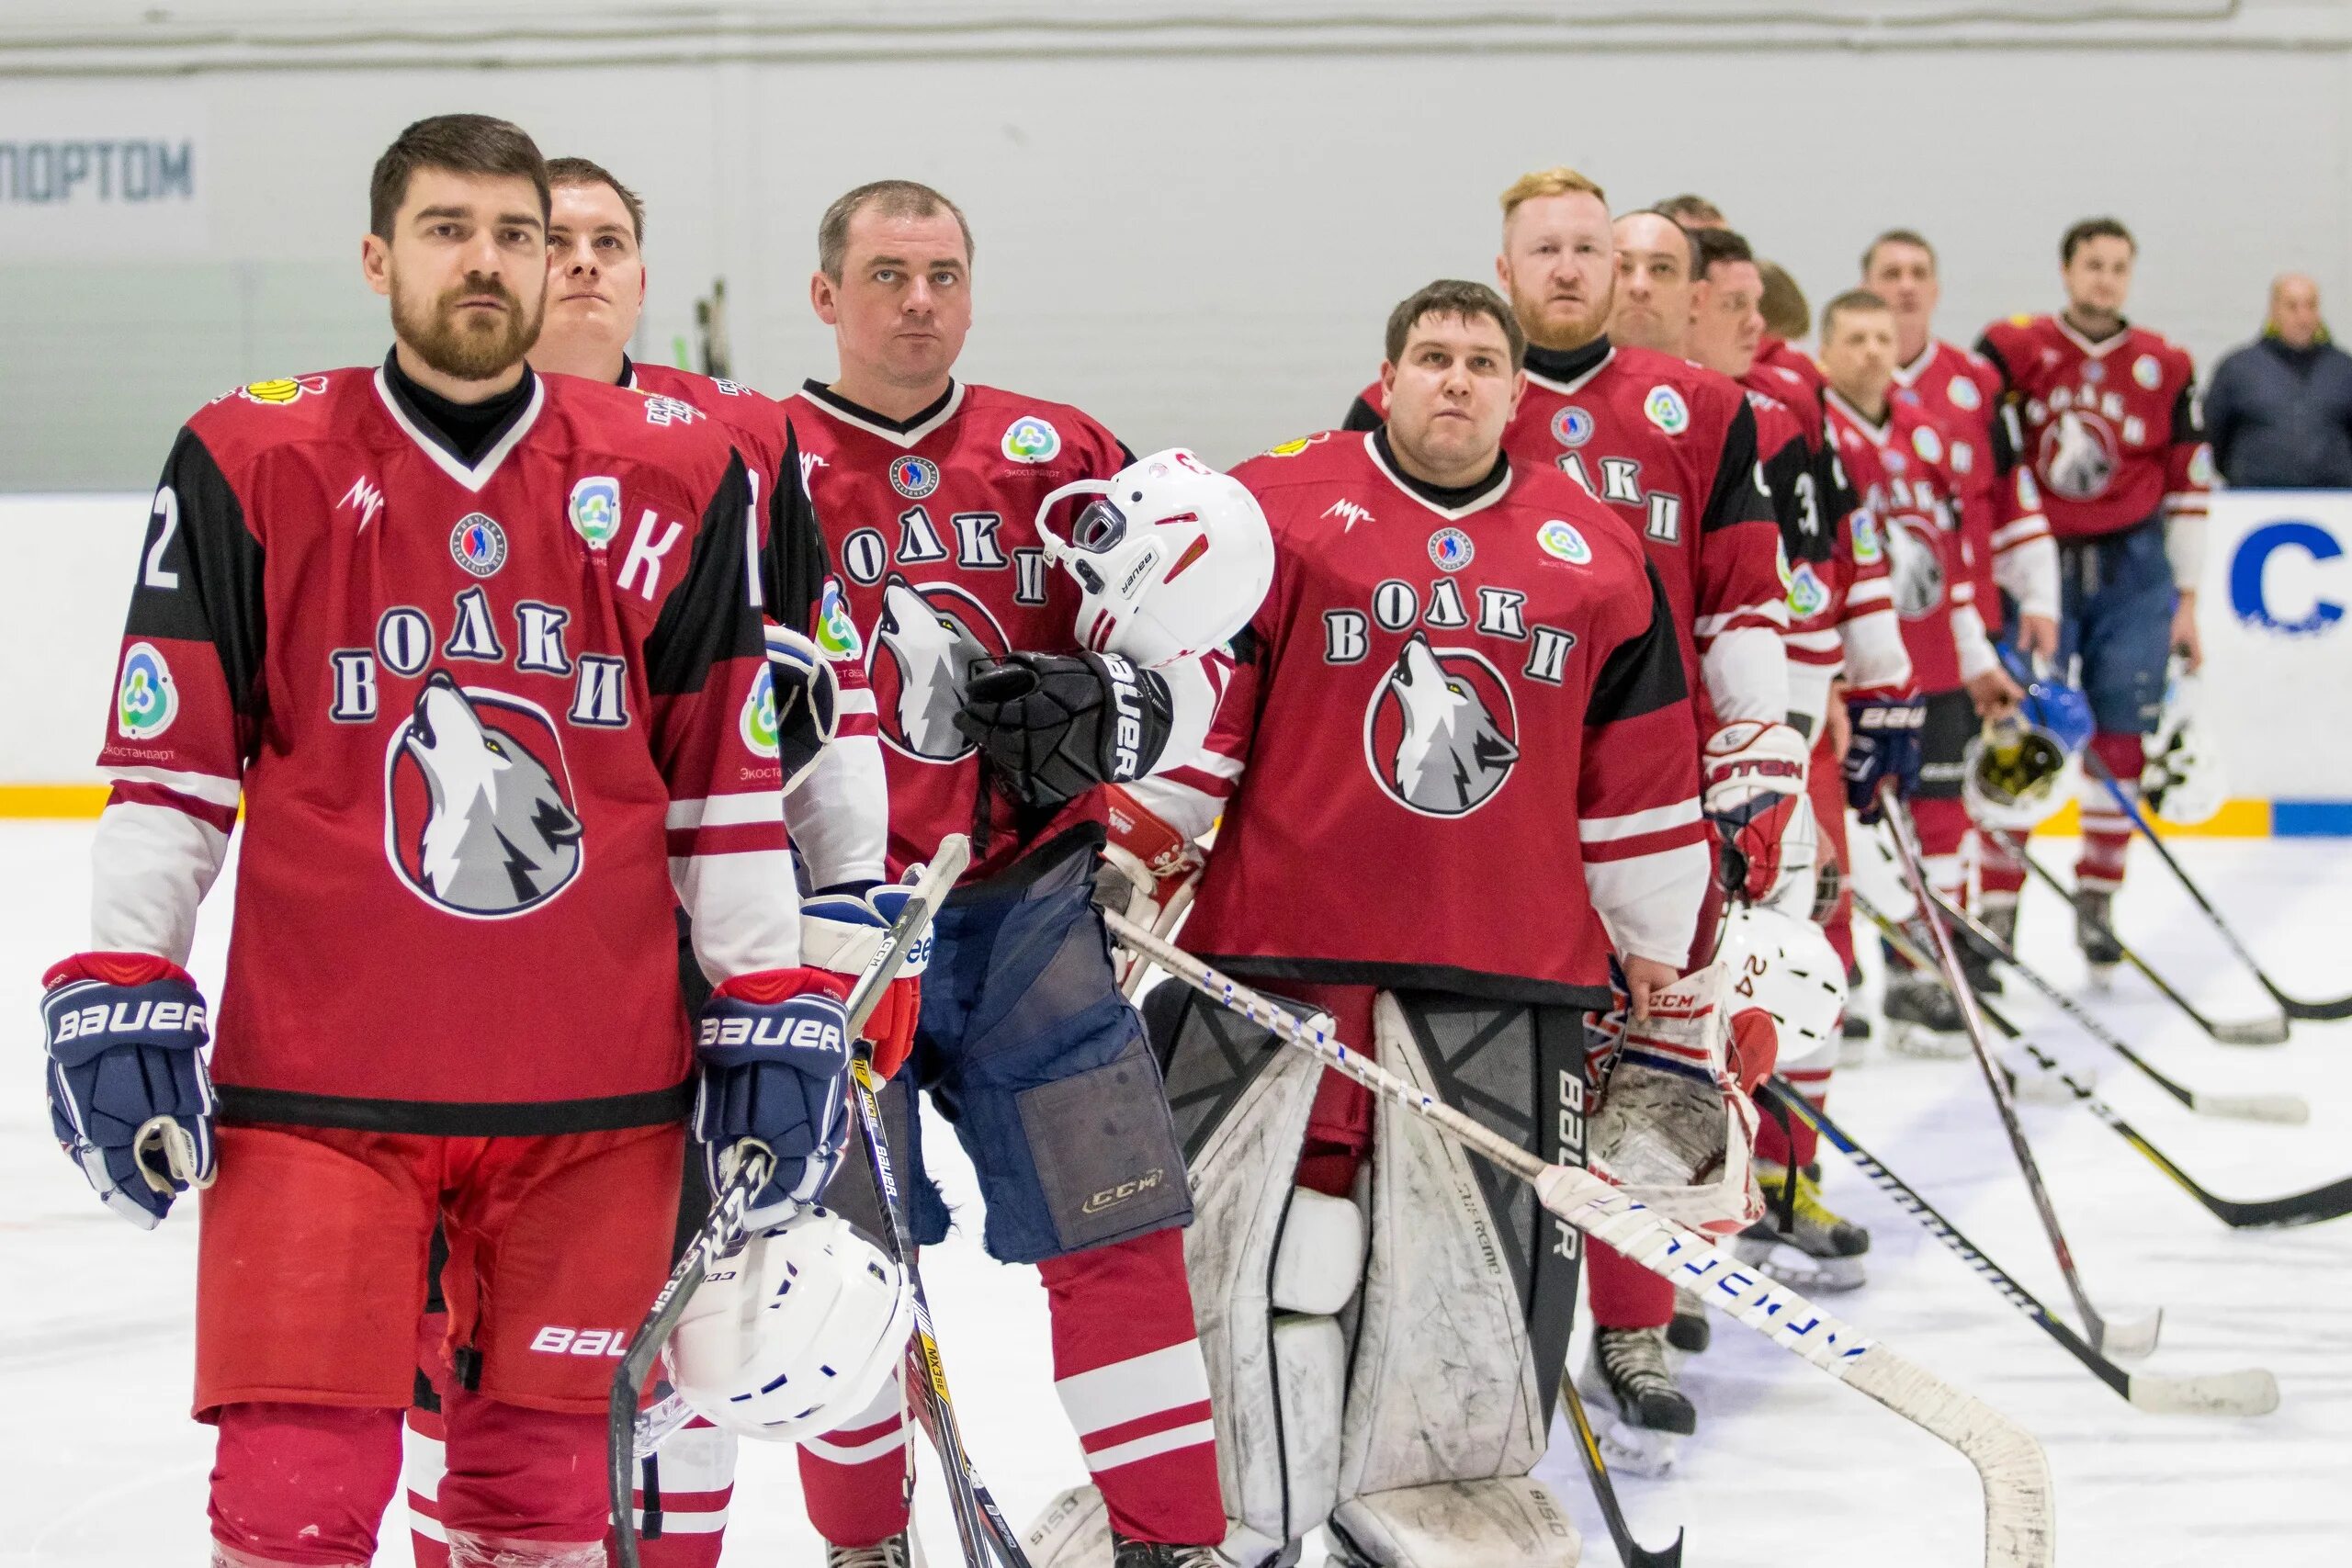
x,y
1689,1331
1921,1018
1125,1553
1816,1249
2095,934
898,1551
1640,1411
1854,1033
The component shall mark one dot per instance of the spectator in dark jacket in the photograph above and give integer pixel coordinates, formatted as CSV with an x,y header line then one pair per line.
x,y
2279,410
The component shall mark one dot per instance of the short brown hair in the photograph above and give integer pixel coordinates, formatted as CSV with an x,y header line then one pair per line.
x,y
583,172
2091,229
1453,297
1714,246
1852,299
1896,237
1560,181
1692,211
1786,315
892,198
461,143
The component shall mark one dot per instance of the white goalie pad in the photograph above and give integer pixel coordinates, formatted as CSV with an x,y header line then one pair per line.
x,y
1673,1128
1443,1385
1515,1523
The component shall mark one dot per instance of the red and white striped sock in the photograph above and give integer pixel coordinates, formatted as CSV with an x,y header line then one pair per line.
x,y
2107,831
858,1477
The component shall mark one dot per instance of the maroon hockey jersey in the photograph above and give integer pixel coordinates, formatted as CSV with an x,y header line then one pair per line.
x,y
1671,447
932,523
1460,738
489,722
2112,428
2000,506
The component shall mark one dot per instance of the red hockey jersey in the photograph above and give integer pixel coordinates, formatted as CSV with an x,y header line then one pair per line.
x,y
1441,687
933,526
2000,506
2112,428
489,723
1898,467
1779,353
839,813
1671,447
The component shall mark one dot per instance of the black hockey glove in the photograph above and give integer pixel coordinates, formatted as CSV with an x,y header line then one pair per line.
x,y
1053,726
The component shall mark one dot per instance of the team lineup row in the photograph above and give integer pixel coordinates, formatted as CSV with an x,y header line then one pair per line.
x,y
511,649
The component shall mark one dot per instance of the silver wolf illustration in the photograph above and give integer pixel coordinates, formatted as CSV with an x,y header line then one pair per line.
x,y
499,837
1453,755
934,651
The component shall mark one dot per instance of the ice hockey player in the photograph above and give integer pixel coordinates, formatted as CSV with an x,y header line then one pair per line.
x,y
1843,634
2113,432
836,806
1898,458
1466,662
2011,555
999,719
475,651
1671,449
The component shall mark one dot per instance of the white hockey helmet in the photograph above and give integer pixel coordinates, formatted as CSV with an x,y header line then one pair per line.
x,y
1786,966
2182,781
1173,557
795,1331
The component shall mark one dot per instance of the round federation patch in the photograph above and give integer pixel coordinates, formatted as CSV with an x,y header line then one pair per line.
x,y
478,543
1451,549
146,700
1665,408
1031,440
915,477
1572,426
2094,371
1561,541
595,510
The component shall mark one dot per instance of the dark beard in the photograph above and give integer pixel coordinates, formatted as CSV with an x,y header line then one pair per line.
x,y
475,352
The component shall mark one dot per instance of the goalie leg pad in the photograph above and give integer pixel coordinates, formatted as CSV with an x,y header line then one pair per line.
x,y
1511,1523
1470,1289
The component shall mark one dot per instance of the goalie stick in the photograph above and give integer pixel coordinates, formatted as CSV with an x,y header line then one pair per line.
x,y
2244,1107
2252,1031
2250,1393
2136,1338
2320,1012
2321,1203
2015,1475
1630,1552
723,1231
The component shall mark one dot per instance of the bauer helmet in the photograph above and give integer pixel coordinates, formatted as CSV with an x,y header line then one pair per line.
x,y
1172,557
795,1331
2182,781
2018,771
1787,967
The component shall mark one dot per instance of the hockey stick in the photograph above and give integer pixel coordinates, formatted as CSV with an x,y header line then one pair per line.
x,y
723,1231
2250,1393
1630,1552
2319,1012
2009,1464
2252,1031
2244,1107
2134,1338
980,1523
1163,924
2329,1203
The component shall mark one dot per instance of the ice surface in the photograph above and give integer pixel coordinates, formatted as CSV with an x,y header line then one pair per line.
x,y
104,1467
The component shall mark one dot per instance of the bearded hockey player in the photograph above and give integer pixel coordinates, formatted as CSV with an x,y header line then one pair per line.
x,y
1671,449
2113,432
474,650
2012,556
1004,710
1465,663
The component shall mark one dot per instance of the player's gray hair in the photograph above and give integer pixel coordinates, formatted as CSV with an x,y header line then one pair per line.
x,y
891,198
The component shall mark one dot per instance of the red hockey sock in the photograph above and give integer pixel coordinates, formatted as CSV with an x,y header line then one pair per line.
x,y
1625,1295
304,1484
1943,828
857,1478
2000,866
2107,831
682,1496
1131,1378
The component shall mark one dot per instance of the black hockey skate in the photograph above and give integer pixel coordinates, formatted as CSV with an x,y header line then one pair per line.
x,y
1801,1241
1921,1018
1641,1411
1689,1331
1125,1553
2094,933
896,1552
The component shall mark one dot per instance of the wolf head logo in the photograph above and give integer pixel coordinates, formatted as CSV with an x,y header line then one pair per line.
x,y
1914,564
493,834
2077,455
1432,735
931,636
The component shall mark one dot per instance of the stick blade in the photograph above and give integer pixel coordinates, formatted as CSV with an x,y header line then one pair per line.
x,y
2130,1339
2290,1108
2249,1392
2252,1031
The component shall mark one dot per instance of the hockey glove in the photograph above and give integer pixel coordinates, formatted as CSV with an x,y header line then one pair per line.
x,y
1752,785
129,1097
1053,726
773,1046
840,932
806,701
1886,745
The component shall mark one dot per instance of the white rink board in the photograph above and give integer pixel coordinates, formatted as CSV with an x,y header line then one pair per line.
x,y
2278,646
106,1470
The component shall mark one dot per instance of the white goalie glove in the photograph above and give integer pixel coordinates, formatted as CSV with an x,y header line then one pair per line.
x,y
1676,1129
